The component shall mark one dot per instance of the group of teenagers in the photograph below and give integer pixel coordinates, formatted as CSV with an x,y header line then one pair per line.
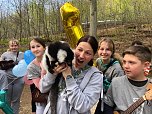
x,y
111,82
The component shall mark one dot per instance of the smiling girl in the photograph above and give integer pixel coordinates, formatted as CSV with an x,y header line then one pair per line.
x,y
108,64
37,47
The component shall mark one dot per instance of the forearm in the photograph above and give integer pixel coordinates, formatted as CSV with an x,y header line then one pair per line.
x,y
36,82
46,82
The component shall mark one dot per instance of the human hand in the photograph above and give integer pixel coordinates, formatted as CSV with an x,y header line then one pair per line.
x,y
15,62
66,71
59,68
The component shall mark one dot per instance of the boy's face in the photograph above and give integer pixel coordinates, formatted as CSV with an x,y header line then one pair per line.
x,y
133,67
13,46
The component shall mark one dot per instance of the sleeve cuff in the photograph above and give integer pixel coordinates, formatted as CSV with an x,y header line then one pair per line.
x,y
48,76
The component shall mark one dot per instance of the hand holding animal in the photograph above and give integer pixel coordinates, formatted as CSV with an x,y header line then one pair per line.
x,y
57,58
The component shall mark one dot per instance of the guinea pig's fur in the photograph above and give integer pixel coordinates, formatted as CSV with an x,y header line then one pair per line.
x,y
56,53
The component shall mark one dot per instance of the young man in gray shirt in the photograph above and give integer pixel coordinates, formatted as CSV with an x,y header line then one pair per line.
x,y
126,90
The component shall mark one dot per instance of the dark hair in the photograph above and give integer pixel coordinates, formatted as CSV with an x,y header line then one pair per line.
x,y
142,52
134,43
39,40
110,44
93,43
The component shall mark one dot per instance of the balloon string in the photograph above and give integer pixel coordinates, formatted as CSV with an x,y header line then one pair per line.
x,y
9,83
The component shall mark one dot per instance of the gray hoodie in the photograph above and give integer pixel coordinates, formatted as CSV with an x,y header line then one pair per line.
x,y
72,99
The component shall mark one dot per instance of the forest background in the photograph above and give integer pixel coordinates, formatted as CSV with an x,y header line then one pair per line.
x,y
22,19
123,21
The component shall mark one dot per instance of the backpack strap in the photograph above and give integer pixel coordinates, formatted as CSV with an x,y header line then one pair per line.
x,y
99,62
110,64
87,77
16,56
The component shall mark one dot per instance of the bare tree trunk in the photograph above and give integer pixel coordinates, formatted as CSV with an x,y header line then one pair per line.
x,y
20,15
59,22
93,18
27,19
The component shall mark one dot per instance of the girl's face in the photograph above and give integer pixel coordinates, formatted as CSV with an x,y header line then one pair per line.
x,y
13,46
133,67
83,54
36,48
104,52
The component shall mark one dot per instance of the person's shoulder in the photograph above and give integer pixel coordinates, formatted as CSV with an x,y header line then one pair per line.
x,y
116,65
97,61
31,65
20,52
6,53
118,82
119,79
95,72
95,69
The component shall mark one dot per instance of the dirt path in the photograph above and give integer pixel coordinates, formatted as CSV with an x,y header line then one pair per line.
x,y
26,101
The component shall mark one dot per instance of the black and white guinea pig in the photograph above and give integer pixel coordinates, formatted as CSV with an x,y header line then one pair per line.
x,y
58,52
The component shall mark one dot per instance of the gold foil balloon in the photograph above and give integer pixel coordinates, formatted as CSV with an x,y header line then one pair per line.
x,y
71,21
